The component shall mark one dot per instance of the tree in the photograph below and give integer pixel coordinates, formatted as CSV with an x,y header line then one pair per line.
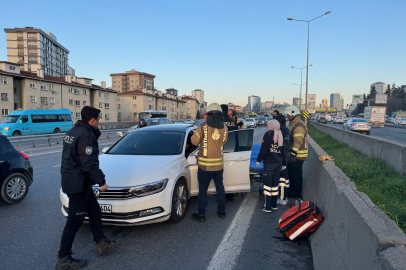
x,y
372,92
197,115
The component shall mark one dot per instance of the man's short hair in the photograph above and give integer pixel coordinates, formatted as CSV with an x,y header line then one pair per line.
x,y
281,119
233,112
276,111
88,113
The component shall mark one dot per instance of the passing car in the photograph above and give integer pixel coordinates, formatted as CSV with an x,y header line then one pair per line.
x,y
153,122
322,120
250,123
358,124
388,120
16,173
400,122
338,120
261,121
152,173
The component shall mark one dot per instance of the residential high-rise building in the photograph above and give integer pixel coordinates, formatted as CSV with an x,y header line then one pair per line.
x,y
172,91
132,80
199,95
35,49
268,105
296,101
254,103
336,101
380,87
324,103
311,101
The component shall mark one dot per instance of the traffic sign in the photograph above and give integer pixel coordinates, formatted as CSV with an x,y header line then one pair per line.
x,y
393,114
306,114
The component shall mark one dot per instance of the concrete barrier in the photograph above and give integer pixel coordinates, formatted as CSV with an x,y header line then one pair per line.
x,y
116,125
356,234
393,154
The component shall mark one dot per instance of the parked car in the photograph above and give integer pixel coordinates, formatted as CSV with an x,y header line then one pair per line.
x,y
152,122
358,124
388,120
322,120
179,122
400,121
261,121
152,173
338,120
16,173
198,122
250,123
189,121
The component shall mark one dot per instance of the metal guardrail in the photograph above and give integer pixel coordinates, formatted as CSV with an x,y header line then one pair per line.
x,y
33,138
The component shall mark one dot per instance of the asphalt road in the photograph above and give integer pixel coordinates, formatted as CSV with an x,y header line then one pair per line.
x,y
388,133
247,238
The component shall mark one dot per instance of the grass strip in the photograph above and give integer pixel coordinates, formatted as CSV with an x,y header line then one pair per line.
x,y
385,187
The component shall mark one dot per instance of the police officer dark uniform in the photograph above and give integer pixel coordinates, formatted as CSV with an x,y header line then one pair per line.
x,y
230,123
284,178
80,171
211,137
142,123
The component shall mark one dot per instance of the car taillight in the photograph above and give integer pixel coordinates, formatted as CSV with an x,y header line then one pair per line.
x,y
369,125
24,156
353,124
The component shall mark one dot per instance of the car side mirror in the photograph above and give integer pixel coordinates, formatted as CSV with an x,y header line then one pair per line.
x,y
105,149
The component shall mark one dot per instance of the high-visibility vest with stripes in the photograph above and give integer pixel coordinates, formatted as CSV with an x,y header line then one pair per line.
x,y
298,131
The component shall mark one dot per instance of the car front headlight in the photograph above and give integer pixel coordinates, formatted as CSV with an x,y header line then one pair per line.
x,y
6,128
149,189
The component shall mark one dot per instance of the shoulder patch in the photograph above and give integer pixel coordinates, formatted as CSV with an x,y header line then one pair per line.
x,y
89,150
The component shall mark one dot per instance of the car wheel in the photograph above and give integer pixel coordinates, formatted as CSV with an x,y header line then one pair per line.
x,y
179,201
368,133
14,188
57,130
16,133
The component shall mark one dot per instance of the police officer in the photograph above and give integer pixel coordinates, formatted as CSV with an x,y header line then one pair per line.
x,y
298,153
142,123
230,123
80,171
211,137
233,115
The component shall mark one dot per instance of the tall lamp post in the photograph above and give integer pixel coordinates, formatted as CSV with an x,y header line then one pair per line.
x,y
301,83
308,39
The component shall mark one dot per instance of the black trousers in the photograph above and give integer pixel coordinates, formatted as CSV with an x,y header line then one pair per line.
x,y
81,204
296,177
204,178
284,184
270,179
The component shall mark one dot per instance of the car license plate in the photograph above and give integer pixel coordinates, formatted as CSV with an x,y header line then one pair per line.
x,y
105,208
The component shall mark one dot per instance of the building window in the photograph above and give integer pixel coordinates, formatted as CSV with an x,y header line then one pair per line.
x,y
150,107
134,97
101,115
32,43
118,106
70,90
21,50
77,114
12,68
107,116
32,35
21,58
20,42
32,51
99,94
43,86
4,112
135,105
52,100
51,87
70,102
33,99
44,101
77,103
106,95
84,103
100,105
4,97
150,99
84,92
3,80
106,105
19,34
87,82
77,92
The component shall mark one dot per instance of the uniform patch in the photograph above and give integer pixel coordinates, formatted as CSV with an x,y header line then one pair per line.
x,y
89,150
216,135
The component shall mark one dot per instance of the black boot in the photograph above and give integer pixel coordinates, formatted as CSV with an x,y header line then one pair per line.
x,y
105,245
68,262
199,217
221,214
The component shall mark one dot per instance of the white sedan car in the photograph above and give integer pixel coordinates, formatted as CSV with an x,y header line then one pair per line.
x,y
152,173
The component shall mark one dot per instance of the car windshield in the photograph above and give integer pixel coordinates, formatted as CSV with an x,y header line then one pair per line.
x,y
249,120
360,120
155,143
262,119
11,118
152,121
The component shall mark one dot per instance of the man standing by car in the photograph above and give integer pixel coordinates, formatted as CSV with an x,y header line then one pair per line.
x,y
230,123
211,137
233,115
298,153
80,171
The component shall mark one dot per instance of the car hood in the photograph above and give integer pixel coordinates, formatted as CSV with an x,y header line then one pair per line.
x,y
128,170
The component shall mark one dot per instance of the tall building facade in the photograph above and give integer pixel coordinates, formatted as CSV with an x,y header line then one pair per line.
x,y
35,49
254,103
296,101
199,95
324,103
380,87
132,80
336,101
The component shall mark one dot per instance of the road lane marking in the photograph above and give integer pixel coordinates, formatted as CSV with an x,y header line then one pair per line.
x,y
389,137
56,166
227,252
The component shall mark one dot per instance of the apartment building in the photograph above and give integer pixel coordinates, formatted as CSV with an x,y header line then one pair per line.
x,y
27,90
132,80
131,103
192,107
237,108
35,49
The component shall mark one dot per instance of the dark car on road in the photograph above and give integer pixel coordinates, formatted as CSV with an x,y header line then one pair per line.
x,y
16,173
322,120
261,121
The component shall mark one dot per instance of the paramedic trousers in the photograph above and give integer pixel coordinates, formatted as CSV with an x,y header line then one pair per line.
x,y
296,178
204,178
283,184
81,204
270,179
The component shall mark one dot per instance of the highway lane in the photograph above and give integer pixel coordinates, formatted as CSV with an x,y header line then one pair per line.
x,y
32,230
388,133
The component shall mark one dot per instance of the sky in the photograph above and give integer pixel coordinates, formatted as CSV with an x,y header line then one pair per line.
x,y
229,48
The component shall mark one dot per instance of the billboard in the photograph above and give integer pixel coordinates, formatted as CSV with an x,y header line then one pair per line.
x,y
381,98
357,99
323,110
311,100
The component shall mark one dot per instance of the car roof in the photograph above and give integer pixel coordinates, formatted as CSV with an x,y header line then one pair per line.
x,y
172,127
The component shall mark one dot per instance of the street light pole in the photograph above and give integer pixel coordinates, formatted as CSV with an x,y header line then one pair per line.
x,y
308,41
301,83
